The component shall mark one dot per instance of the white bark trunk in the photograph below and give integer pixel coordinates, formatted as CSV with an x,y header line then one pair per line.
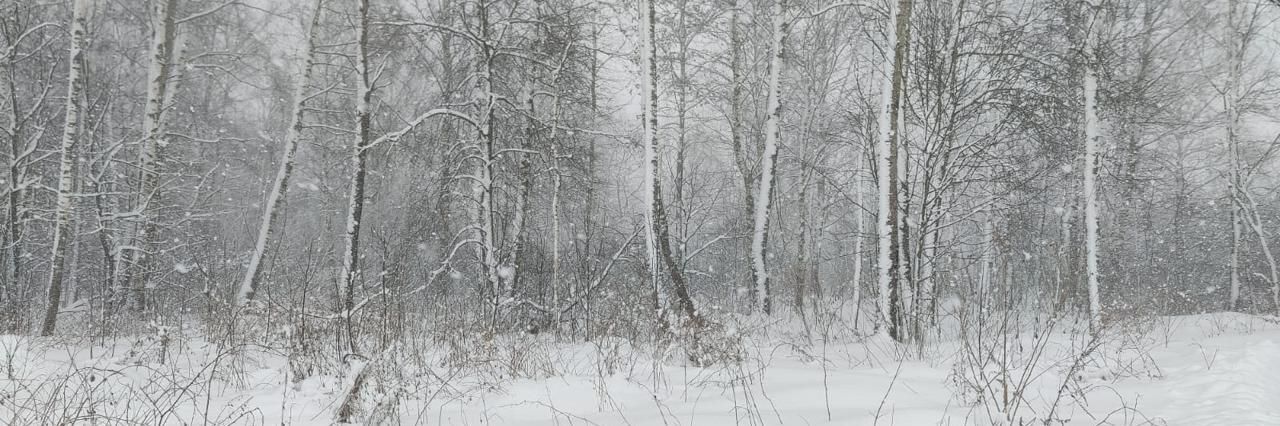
x,y
884,227
555,229
555,211
768,160
887,168
158,84
70,134
1092,162
516,228
1066,287
860,228
1255,222
280,187
484,224
355,195
988,260
353,378
11,241
1232,99
649,90
741,159
903,287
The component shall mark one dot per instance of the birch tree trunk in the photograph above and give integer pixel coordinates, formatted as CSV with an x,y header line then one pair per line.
x,y
1232,100
553,140
887,170
355,199
1064,265
773,107
740,159
1255,222
555,226
901,296
1092,162
986,272
161,60
859,227
70,134
589,210
675,268
515,233
280,188
681,202
649,94
483,178
10,242
657,233
803,254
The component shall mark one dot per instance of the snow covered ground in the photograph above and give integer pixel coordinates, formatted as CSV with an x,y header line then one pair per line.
x,y
1214,369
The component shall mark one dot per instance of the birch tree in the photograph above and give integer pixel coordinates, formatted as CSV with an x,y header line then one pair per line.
x,y
1255,223
161,60
359,160
64,207
22,133
1244,206
485,104
1092,163
15,174
1236,40
280,187
649,97
889,222
367,84
741,159
773,132
657,235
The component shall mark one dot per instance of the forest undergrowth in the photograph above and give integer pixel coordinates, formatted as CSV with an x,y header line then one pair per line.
x,y
982,367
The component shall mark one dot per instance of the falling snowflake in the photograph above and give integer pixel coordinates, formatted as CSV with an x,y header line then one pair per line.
x,y
506,272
